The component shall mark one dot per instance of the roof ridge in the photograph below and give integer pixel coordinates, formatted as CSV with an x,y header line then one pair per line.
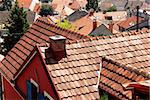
x,y
55,26
129,67
130,33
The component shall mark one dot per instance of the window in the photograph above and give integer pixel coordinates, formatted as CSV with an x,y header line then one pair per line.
x,y
32,90
47,96
108,17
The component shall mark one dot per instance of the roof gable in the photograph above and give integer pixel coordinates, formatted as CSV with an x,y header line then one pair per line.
x,y
24,3
101,30
114,75
84,25
39,32
76,75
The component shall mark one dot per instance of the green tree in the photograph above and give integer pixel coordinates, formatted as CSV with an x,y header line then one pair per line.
x,y
17,26
7,4
46,10
66,25
92,4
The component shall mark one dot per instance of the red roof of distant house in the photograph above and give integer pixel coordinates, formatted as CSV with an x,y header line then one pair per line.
x,y
82,3
24,3
74,5
39,32
145,6
106,5
130,22
37,8
84,25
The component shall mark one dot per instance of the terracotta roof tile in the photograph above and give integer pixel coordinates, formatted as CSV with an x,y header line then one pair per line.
x,y
129,22
79,69
16,64
37,8
39,32
114,75
74,5
86,27
24,3
15,56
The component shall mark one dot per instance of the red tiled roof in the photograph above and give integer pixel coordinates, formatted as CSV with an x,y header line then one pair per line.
x,y
24,3
114,75
82,3
74,5
76,75
84,25
73,78
106,5
37,8
141,86
54,6
39,32
129,22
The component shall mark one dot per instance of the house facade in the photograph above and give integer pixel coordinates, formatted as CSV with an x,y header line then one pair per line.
x,y
7,90
33,81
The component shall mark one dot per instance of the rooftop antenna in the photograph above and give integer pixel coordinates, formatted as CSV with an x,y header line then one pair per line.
x,y
137,18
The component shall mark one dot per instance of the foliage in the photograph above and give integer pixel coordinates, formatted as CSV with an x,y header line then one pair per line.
x,y
92,4
104,96
46,10
111,9
17,26
91,35
66,25
7,4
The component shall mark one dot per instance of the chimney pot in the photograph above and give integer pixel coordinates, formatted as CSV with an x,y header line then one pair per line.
x,y
91,12
94,24
58,46
111,27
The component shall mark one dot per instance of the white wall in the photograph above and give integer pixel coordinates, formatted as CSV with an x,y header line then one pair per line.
x,y
33,4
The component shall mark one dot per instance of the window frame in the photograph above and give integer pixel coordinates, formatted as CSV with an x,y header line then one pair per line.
x,y
35,84
32,82
47,95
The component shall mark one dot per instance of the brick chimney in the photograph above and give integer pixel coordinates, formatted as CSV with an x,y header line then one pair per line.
x,y
58,46
94,24
111,27
91,12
